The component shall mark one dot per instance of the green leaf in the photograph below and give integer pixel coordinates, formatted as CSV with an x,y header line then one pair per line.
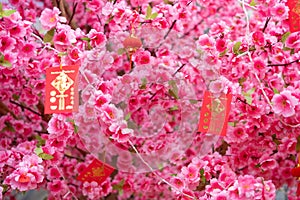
x,y
174,108
248,95
253,3
15,97
45,156
174,89
1,8
276,91
298,144
144,83
49,35
121,51
85,39
193,101
38,150
40,141
153,15
148,12
201,171
231,124
223,53
5,63
242,80
119,187
236,47
127,117
7,13
61,54
285,36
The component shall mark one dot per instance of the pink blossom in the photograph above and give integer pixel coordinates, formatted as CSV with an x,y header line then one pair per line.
x,y
258,38
27,174
7,43
284,103
120,131
53,173
142,57
178,183
216,86
293,41
92,190
191,173
98,39
221,45
28,50
205,42
17,31
280,11
57,187
49,18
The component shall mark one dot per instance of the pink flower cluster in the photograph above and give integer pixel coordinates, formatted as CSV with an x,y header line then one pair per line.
x,y
139,110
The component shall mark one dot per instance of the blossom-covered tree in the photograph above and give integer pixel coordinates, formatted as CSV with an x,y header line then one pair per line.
x,y
143,69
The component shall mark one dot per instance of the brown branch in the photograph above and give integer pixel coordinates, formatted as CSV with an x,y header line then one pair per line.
x,y
4,110
25,108
266,24
285,64
73,13
179,69
171,27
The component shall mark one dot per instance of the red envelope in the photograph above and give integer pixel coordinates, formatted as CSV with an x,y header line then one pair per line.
x,y
214,114
97,171
294,15
61,89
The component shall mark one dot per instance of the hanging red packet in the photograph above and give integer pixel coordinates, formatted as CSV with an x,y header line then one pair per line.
x,y
214,114
61,89
294,15
97,171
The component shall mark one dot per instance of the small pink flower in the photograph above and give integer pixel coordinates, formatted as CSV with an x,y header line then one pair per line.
x,y
53,173
7,43
280,11
92,190
221,45
216,86
284,103
205,42
28,50
293,41
142,57
191,173
98,39
178,183
17,31
120,132
101,99
57,187
74,54
258,38
49,18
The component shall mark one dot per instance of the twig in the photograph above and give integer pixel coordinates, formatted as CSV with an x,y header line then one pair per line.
x,y
171,27
266,24
179,69
73,13
285,64
25,107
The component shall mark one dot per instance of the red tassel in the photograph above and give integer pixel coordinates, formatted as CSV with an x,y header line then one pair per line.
x,y
295,172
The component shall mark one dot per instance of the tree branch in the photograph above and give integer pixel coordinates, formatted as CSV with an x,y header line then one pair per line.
x,y
73,13
266,24
285,64
171,27
25,108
